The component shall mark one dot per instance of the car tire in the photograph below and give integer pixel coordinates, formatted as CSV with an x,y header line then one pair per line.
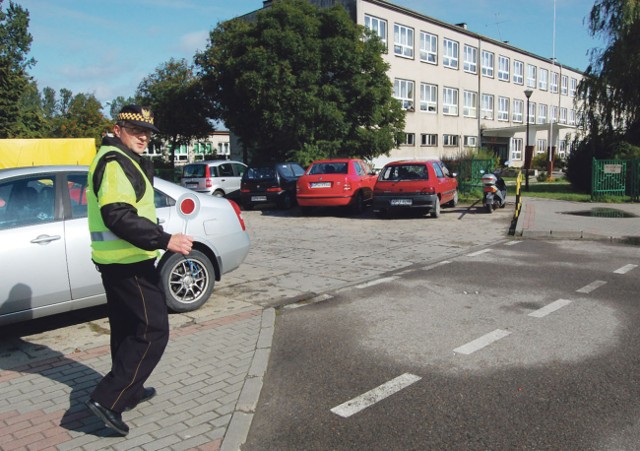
x,y
218,193
454,201
286,202
306,211
435,212
357,204
247,206
188,280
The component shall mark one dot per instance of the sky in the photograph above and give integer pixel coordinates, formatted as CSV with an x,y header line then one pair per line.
x,y
107,47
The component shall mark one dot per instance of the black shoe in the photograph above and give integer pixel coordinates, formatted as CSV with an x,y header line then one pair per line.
x,y
147,394
111,419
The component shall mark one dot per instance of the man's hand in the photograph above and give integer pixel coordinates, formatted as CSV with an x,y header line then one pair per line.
x,y
180,243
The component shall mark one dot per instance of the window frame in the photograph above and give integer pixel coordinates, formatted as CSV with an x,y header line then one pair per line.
x,y
518,110
382,34
403,41
504,63
428,38
518,75
433,89
429,139
503,114
400,85
484,110
469,110
470,66
488,70
450,60
446,107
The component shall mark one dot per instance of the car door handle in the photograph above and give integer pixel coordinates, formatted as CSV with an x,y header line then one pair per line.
x,y
44,239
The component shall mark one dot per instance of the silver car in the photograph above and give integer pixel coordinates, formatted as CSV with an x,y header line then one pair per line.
x,y
45,247
219,178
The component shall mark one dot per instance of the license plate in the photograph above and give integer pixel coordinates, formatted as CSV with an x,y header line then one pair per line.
x,y
401,202
321,185
192,185
258,198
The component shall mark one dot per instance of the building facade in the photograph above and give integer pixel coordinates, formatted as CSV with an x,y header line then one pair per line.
x,y
216,147
462,90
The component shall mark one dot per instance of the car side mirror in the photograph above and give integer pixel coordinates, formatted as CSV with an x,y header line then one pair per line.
x,y
454,174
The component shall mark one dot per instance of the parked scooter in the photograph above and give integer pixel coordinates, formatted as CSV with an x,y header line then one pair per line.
x,y
495,192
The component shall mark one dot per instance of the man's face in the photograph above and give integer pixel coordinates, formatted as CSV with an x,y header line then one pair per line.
x,y
134,137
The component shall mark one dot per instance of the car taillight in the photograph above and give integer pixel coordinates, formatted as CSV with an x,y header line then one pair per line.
x,y
347,185
428,190
245,190
236,208
275,189
490,189
209,183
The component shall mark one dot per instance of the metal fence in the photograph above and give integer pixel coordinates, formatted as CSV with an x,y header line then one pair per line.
x,y
470,172
616,178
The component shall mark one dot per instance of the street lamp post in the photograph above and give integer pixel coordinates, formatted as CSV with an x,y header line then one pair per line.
x,y
527,152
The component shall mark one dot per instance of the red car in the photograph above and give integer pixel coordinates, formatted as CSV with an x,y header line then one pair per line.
x,y
336,183
416,185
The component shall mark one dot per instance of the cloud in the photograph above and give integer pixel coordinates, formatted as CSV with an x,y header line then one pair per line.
x,y
192,42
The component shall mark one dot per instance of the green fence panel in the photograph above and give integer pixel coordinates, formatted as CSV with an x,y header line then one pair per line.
x,y
470,173
633,179
608,177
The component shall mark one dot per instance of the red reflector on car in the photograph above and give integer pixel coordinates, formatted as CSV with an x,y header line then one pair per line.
x,y
236,208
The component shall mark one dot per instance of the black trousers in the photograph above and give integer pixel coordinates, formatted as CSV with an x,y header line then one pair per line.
x,y
139,323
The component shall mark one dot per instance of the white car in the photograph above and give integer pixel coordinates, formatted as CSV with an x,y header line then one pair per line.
x,y
219,178
46,254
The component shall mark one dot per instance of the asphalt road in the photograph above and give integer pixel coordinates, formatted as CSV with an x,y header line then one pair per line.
x,y
520,345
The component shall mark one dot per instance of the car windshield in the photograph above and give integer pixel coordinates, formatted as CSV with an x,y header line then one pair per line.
x,y
194,170
329,168
261,173
404,172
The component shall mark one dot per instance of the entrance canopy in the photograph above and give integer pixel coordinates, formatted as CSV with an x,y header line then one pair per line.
x,y
509,132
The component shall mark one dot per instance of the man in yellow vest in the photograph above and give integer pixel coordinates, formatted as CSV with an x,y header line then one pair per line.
x,y
125,239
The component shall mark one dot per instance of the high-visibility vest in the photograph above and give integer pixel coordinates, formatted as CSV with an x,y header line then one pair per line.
x,y
106,246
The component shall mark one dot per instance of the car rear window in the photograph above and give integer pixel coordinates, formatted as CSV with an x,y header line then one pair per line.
x,y
329,168
405,172
263,173
194,170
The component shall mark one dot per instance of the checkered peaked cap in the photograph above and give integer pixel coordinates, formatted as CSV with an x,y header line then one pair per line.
x,y
137,115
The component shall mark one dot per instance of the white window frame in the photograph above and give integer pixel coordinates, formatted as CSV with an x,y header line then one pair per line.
x,y
470,141
574,87
542,113
428,139
543,79
428,48
449,101
553,113
564,85
516,149
487,106
378,26
403,90
532,113
488,63
470,59
541,145
518,110
503,68
402,41
409,139
503,109
563,115
532,76
470,102
450,52
450,140
518,72
553,83
572,117
428,98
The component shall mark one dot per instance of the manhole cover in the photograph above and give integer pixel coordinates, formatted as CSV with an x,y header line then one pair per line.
x,y
602,213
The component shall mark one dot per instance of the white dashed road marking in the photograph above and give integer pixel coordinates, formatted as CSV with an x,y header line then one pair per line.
x,y
377,282
625,269
544,311
481,342
592,286
371,397
475,254
511,243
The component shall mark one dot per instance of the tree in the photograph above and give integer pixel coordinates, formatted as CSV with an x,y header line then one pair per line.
x,y
300,82
181,110
15,42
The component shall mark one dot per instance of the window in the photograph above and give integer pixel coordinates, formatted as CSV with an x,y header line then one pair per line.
x,y
450,101
531,76
543,79
563,115
503,68
429,139
564,87
516,149
409,139
553,86
449,53
428,48
518,110
572,117
554,113
428,98
470,141
531,117
518,72
378,26
450,140
403,41
541,145
469,108
562,148
403,91
487,106
574,87
542,113
470,59
487,63
503,108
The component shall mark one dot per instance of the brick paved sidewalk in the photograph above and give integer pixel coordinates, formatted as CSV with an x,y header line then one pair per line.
x,y
209,371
